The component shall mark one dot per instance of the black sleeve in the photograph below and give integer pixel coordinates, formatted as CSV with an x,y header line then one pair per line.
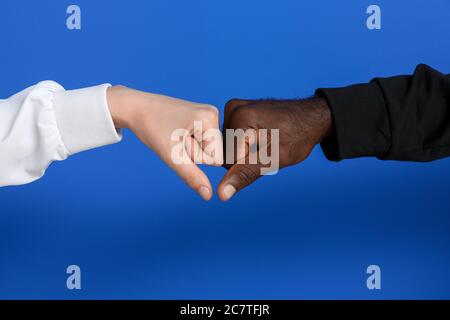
x,y
398,118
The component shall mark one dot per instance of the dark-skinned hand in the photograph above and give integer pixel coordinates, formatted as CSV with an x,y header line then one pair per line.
x,y
302,124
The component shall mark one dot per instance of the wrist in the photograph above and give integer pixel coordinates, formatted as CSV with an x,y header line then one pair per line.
x,y
121,105
325,119
315,116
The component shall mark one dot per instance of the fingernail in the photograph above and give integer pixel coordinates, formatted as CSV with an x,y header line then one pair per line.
x,y
204,192
228,191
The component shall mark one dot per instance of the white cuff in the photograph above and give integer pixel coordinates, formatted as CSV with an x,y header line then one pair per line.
x,y
83,118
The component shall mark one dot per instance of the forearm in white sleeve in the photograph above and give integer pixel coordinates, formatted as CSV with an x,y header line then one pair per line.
x,y
45,123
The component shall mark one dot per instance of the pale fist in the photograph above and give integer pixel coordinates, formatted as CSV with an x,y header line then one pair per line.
x,y
181,133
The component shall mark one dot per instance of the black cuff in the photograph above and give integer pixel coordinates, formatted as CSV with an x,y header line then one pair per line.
x,y
360,120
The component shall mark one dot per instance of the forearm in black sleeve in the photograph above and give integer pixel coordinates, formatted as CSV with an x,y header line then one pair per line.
x,y
398,118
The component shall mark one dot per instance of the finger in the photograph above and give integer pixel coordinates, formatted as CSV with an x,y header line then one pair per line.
x,y
238,177
212,147
211,155
193,149
240,144
210,139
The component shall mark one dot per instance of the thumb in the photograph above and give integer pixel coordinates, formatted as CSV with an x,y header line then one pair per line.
x,y
195,178
238,177
187,170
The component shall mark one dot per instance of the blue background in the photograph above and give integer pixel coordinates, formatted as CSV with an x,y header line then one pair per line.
x,y
137,231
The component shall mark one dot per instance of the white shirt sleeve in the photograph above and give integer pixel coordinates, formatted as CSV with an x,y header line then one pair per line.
x,y
45,123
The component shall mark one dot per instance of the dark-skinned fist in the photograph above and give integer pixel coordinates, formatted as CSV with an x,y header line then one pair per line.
x,y
301,123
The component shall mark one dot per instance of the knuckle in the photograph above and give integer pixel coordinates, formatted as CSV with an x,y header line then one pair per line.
x,y
210,111
247,175
242,116
233,103
209,107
